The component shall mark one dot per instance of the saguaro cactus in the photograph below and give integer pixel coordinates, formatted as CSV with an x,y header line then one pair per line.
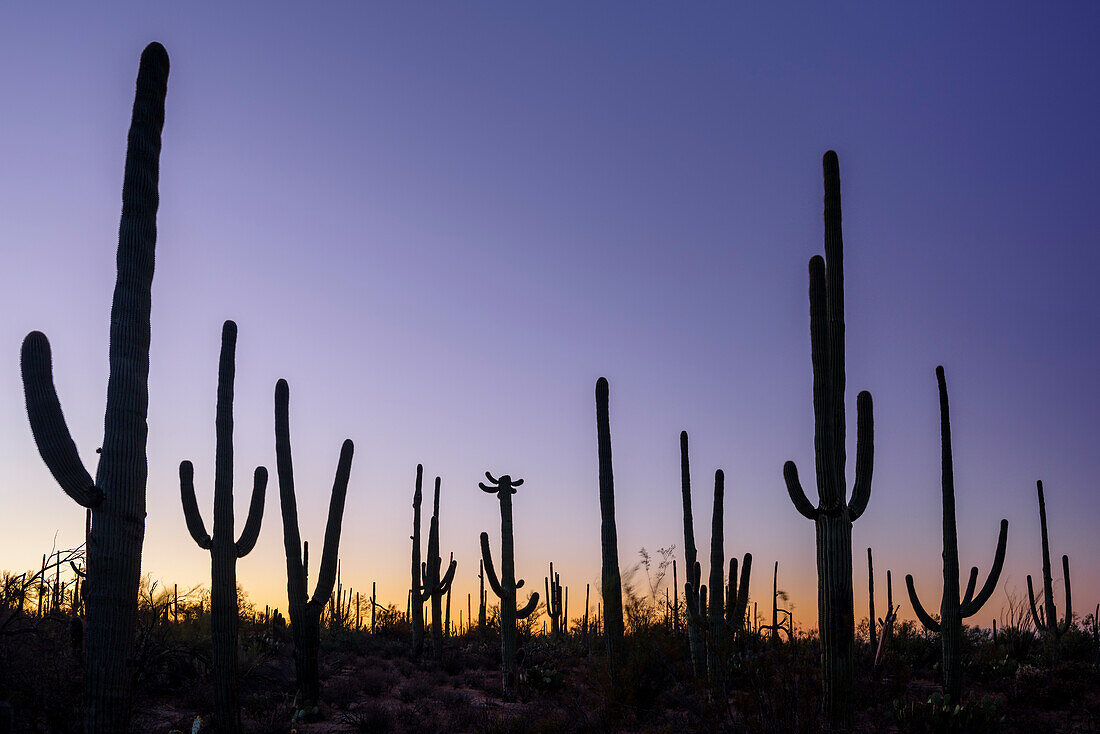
x,y
871,602
696,639
610,578
117,496
952,611
305,612
416,604
553,601
1046,620
506,585
434,587
834,513
224,551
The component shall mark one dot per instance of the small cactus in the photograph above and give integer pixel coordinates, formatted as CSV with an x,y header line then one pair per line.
x,y
554,602
433,587
1046,618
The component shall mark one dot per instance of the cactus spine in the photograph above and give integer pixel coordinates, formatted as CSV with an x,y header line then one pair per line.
x,y
952,611
506,585
1046,621
834,514
432,586
611,581
224,551
305,612
117,496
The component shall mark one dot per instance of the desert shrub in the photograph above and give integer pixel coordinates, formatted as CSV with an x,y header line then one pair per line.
x,y
937,715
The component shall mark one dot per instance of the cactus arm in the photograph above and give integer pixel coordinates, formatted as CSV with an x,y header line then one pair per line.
x,y
326,575
528,607
994,574
445,583
517,483
798,496
251,532
491,478
490,490
51,435
490,572
1035,616
970,584
742,602
191,513
865,455
926,619
549,598
520,583
1064,627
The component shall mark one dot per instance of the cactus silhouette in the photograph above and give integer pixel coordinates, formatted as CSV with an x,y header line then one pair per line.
x,y
506,585
696,631
611,581
416,606
952,611
117,496
1046,619
432,586
224,550
834,513
305,612
554,602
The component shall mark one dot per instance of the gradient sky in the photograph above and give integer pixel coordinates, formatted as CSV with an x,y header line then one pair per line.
x,y
442,222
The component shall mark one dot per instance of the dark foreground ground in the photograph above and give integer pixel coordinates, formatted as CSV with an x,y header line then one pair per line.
x,y
370,683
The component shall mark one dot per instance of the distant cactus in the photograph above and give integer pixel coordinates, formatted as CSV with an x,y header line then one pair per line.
x,y
872,628
554,602
224,551
609,543
481,595
777,626
506,585
432,586
696,632
305,612
952,611
834,513
416,604
117,496
1046,619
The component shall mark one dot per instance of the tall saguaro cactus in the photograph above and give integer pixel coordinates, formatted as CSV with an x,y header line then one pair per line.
x,y
506,585
696,638
952,611
1046,621
224,550
834,513
117,496
433,586
305,612
416,603
610,578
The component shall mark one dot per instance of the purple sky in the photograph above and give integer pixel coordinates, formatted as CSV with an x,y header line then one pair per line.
x,y
441,223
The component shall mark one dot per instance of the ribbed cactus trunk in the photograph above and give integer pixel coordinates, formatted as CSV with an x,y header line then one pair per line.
x,y
506,585
117,496
224,550
1046,620
611,582
834,514
417,588
696,640
305,612
952,610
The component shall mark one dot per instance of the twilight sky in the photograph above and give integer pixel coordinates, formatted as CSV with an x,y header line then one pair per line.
x,y
442,222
